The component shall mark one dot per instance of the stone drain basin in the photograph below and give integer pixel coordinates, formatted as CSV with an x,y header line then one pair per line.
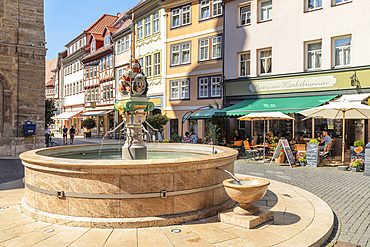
x,y
126,193
251,190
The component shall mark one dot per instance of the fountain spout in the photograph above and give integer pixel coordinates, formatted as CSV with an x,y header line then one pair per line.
x,y
232,175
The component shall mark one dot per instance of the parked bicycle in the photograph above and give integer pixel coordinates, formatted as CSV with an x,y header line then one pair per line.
x,y
50,141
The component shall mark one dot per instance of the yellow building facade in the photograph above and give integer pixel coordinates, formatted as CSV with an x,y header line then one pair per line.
x,y
194,35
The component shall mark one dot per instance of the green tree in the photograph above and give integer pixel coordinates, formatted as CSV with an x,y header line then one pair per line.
x,y
49,113
88,123
158,121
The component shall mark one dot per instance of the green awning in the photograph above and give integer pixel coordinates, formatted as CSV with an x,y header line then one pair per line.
x,y
285,105
204,114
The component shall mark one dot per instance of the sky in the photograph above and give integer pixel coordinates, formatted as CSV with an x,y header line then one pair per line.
x,y
66,19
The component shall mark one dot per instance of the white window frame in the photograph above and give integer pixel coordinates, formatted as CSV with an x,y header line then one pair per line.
x,y
186,10
315,5
147,26
314,53
107,40
184,50
174,90
266,8
341,2
260,60
175,13
119,46
127,42
157,64
216,4
216,44
156,23
246,62
177,51
148,66
203,87
204,5
93,47
140,30
204,49
180,13
215,84
247,14
342,48
179,87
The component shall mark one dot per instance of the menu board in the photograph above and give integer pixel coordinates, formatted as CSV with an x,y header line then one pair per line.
x,y
288,127
312,154
338,123
367,162
284,144
357,152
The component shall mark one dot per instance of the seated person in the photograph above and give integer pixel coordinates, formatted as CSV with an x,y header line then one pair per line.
x,y
318,136
187,137
255,138
325,141
193,138
270,138
236,136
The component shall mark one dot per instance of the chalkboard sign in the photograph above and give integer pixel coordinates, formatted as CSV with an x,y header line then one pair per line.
x,y
283,144
367,162
312,154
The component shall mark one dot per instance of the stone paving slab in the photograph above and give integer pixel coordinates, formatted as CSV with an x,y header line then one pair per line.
x,y
301,219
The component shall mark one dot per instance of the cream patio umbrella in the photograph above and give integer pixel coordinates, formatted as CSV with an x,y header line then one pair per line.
x,y
264,116
339,110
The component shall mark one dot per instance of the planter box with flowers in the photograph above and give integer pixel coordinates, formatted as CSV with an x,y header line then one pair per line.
x,y
281,158
301,156
356,164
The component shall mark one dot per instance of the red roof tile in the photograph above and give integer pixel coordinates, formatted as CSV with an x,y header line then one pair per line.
x,y
50,83
99,25
124,25
101,50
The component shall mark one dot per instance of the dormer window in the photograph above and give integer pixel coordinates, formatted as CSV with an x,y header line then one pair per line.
x,y
107,40
93,46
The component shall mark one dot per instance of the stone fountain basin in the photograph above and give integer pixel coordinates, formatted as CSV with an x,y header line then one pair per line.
x,y
251,190
126,193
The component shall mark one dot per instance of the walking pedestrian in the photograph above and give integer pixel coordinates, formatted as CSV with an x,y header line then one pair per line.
x,y
65,137
72,132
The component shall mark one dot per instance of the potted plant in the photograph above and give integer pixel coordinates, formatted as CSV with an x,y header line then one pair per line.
x,y
356,164
281,157
88,123
301,158
358,143
313,141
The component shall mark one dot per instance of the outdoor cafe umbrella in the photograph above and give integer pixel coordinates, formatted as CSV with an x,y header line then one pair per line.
x,y
264,116
343,109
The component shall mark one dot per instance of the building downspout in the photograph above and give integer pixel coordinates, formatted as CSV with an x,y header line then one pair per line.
x,y
223,56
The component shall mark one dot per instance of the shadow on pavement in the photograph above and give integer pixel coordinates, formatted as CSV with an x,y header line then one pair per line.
x,y
11,174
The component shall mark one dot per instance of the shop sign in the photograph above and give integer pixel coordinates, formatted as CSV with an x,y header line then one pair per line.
x,y
293,84
283,144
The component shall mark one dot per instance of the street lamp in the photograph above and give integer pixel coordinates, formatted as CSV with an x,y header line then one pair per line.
x,y
187,115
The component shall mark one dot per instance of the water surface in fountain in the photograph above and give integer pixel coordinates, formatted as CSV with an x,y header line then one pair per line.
x,y
112,155
246,182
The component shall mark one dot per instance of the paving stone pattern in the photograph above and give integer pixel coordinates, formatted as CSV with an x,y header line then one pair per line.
x,y
346,192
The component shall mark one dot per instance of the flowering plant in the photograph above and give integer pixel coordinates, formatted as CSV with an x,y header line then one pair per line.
x,y
357,162
301,156
282,152
165,140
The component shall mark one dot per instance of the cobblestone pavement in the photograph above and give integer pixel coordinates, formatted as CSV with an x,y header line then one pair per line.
x,y
347,193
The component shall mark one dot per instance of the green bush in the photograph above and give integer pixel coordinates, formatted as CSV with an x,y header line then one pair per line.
x,y
88,123
158,121
359,143
176,138
313,141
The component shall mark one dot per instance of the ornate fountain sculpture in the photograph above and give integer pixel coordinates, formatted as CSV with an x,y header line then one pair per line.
x,y
133,106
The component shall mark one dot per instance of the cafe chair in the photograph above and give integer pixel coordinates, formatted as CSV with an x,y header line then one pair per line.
x,y
249,153
331,149
324,154
238,145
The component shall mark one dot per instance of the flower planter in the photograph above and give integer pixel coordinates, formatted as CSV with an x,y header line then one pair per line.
x,y
355,168
280,159
302,163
